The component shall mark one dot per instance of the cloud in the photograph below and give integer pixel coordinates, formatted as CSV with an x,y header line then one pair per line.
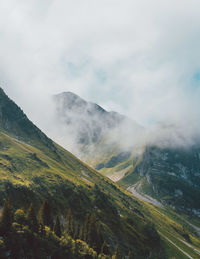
x,y
137,56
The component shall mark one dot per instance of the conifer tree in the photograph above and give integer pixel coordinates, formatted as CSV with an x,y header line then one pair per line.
x,y
85,228
76,231
32,219
81,228
6,218
92,234
45,215
57,227
69,225
99,241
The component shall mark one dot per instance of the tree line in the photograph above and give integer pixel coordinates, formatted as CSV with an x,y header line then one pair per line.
x,y
27,234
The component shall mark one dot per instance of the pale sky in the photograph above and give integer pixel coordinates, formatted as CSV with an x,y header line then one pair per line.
x,y
137,57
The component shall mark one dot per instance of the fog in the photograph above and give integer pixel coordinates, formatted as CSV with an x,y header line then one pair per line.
x,y
139,58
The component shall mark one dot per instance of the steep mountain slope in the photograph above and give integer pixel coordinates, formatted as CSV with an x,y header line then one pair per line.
x,y
92,133
34,169
28,175
171,175
118,150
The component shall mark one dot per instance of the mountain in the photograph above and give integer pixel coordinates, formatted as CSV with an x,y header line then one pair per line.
x,y
34,169
118,149
89,120
92,132
170,175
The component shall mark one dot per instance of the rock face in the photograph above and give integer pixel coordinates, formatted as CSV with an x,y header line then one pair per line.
x,y
170,175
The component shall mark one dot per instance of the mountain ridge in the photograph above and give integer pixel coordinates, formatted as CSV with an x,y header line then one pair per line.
x,y
139,164
31,171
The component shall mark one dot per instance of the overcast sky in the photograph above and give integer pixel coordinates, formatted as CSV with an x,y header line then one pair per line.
x,y
138,57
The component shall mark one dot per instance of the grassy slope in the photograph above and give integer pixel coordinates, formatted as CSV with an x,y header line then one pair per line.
x,y
33,168
102,153
27,173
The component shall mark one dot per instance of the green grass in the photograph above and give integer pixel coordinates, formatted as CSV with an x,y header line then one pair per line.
x,y
27,173
34,168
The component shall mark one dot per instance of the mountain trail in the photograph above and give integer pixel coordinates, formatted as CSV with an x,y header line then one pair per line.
x,y
144,197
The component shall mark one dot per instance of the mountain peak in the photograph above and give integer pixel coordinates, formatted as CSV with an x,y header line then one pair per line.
x,y
69,100
69,94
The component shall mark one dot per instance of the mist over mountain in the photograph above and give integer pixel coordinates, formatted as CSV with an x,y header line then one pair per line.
x,y
99,129
90,121
33,168
81,123
162,161
61,189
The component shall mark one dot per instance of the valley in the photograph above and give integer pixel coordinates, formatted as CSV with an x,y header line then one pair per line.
x,y
34,169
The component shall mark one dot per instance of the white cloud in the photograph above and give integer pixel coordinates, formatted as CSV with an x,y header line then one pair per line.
x,y
136,56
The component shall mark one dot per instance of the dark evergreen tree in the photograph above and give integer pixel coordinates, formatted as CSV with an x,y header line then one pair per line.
x,y
57,227
32,219
69,224
99,241
81,228
76,231
94,236
91,231
45,215
6,218
85,228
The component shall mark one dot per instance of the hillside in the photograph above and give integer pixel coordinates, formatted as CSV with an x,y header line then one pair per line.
x,y
95,135
119,151
28,175
34,169
170,175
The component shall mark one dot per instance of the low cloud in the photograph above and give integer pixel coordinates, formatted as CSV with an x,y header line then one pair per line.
x,y
140,58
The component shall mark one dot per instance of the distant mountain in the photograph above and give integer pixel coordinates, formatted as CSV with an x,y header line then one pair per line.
x,y
95,135
117,147
89,120
171,175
